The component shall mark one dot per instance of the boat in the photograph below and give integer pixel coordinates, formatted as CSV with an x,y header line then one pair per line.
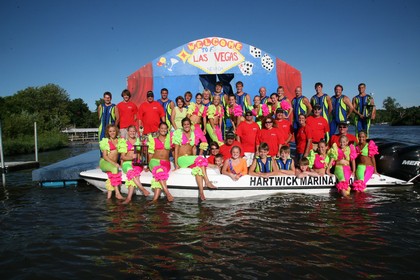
x,y
182,184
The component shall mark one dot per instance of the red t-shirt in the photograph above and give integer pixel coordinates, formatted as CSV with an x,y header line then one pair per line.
x,y
248,133
211,159
335,139
319,127
225,150
127,111
273,137
150,114
304,133
285,127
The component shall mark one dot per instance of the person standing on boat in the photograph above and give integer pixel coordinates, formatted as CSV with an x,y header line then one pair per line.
x,y
265,99
343,128
109,161
150,115
215,113
275,104
320,127
285,103
271,135
300,105
127,111
187,98
284,126
197,113
206,95
323,100
185,156
366,164
242,98
218,91
342,108
263,165
260,110
107,114
364,108
159,148
235,167
233,114
126,148
247,134
167,105
179,112
303,138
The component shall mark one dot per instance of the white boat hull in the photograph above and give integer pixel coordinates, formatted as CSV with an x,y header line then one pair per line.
x,y
182,184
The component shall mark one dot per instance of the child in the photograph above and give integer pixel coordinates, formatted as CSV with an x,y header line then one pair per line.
x,y
235,167
263,165
285,163
304,170
319,161
343,156
366,164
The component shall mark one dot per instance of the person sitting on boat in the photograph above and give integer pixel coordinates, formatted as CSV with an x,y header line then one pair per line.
x,y
126,148
179,112
185,156
159,148
263,165
218,163
197,113
303,170
366,164
285,163
235,167
342,157
109,160
319,160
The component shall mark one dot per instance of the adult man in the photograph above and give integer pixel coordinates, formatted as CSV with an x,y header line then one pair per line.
x,y
107,114
284,126
300,105
319,125
285,103
364,108
246,133
342,108
263,95
128,113
323,100
167,105
343,128
242,98
219,92
228,145
150,115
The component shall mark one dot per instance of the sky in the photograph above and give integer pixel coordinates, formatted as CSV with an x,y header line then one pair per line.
x,y
89,47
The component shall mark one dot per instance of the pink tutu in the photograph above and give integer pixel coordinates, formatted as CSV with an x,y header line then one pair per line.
x,y
359,186
160,173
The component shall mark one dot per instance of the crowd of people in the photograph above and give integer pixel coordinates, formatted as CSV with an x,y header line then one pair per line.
x,y
236,137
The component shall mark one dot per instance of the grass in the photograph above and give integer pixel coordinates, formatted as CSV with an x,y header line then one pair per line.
x,y
50,140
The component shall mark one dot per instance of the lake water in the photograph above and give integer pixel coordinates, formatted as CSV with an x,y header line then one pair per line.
x,y
74,233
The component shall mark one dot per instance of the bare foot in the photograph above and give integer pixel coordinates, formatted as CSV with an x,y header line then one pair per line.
x,y
202,197
210,185
169,197
145,192
118,196
126,201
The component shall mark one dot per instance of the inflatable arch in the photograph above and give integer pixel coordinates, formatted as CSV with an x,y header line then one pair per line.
x,y
201,63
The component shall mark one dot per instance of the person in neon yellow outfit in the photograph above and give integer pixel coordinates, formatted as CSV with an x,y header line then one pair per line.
x,y
366,164
342,108
126,147
185,156
364,108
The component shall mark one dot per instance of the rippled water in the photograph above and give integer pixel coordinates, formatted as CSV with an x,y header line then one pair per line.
x,y
74,233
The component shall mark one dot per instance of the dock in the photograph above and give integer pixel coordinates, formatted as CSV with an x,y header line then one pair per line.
x,y
81,134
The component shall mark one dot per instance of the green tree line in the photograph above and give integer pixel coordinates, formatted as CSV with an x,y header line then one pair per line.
x,y
51,108
394,114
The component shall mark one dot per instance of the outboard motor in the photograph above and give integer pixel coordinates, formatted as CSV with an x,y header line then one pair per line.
x,y
410,163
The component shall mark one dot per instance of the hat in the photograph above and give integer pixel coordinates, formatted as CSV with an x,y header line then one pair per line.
x,y
248,113
346,123
150,93
317,106
230,135
279,110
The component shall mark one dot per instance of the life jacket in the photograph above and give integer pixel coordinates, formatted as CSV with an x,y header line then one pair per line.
x,y
339,112
361,104
284,166
167,109
322,101
107,116
264,167
241,101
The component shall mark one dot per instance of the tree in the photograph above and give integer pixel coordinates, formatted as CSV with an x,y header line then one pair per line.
x,y
393,109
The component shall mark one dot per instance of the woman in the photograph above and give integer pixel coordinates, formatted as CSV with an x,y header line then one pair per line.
x,y
109,161
215,115
185,156
197,113
236,166
271,135
303,139
214,150
178,113
260,110
126,149
319,160
366,164
159,149
233,114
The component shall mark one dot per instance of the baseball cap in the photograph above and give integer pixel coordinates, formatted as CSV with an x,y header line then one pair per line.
x,y
150,93
279,110
230,135
317,106
346,123
248,113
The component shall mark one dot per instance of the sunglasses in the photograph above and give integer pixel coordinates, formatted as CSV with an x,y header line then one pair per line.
x,y
214,148
268,122
342,127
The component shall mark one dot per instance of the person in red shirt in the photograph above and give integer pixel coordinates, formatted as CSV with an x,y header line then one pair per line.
x,y
246,133
303,139
214,150
319,125
271,135
284,125
128,113
228,145
343,128
150,115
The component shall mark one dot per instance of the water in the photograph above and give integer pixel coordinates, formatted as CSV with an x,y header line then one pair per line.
x,y
74,233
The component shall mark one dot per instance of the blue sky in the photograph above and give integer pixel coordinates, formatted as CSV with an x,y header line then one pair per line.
x,y
89,47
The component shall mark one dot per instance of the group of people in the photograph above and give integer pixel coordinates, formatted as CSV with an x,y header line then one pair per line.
x,y
245,137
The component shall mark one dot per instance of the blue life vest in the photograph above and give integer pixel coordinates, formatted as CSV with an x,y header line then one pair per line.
x,y
284,165
264,167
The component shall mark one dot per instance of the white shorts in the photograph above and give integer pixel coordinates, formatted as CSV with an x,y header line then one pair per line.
x,y
249,158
